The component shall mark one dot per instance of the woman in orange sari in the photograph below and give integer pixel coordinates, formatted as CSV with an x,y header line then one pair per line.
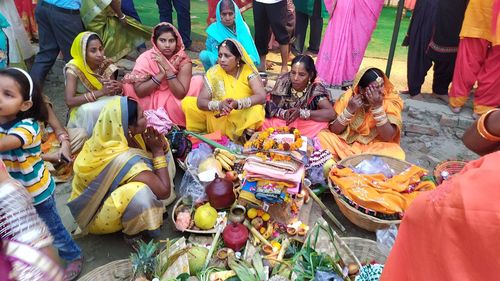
x,y
451,233
368,119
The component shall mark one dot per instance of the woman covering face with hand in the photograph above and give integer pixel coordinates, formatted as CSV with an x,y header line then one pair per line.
x,y
368,119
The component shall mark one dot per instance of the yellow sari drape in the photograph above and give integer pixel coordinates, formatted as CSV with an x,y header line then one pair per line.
x,y
377,193
361,135
103,198
223,86
85,115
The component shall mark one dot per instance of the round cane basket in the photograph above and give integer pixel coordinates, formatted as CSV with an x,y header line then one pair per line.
x,y
357,217
364,249
449,167
120,270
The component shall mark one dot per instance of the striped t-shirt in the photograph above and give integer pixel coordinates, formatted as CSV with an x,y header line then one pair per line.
x,y
25,163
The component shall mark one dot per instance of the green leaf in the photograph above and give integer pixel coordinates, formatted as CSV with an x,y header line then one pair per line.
x,y
182,277
258,265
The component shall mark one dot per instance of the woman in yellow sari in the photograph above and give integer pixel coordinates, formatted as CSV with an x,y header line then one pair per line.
x,y
368,119
233,97
122,174
90,81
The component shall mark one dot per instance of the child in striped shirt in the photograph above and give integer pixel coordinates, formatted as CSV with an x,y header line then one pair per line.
x,y
21,110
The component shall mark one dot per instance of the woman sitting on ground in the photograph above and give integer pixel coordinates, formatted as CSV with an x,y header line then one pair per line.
x,y
122,173
299,100
90,81
368,119
162,76
232,99
229,24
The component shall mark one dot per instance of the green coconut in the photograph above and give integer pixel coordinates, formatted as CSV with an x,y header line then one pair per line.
x,y
196,258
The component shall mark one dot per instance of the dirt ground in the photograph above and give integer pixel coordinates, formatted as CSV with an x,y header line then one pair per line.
x,y
423,150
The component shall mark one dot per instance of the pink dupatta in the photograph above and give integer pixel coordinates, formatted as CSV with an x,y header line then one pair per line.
x,y
161,104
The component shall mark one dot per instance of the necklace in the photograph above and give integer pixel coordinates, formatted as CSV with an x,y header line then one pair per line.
x,y
299,94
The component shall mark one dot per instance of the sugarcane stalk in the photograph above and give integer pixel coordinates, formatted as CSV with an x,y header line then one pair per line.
x,y
209,141
212,247
324,208
256,233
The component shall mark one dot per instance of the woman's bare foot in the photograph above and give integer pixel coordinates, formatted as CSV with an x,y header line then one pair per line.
x,y
418,97
455,109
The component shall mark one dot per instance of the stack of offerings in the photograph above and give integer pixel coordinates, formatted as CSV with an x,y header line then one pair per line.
x,y
273,171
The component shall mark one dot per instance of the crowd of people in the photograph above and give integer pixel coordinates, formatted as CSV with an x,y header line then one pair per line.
x,y
122,168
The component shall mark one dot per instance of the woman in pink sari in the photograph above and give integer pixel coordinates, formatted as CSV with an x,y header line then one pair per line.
x,y
162,77
350,28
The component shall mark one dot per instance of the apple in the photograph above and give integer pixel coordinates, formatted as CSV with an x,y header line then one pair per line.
x,y
231,175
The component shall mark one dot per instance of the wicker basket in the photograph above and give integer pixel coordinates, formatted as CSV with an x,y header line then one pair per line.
x,y
451,167
120,270
364,249
358,218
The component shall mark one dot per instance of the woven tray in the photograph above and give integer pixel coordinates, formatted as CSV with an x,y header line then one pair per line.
x,y
364,249
451,167
358,218
120,270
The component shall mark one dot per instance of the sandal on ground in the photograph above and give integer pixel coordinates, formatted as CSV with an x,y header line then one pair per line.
x,y
443,98
73,270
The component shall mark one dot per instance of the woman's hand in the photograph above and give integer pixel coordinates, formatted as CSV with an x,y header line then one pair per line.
x,y
227,105
291,115
112,87
355,103
163,64
155,142
374,96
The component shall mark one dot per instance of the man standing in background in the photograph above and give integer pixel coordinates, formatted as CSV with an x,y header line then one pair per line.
x,y
59,23
182,7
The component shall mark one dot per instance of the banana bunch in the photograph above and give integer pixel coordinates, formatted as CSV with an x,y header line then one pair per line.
x,y
225,158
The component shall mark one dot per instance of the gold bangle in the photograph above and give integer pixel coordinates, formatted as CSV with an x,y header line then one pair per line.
x,y
160,166
481,128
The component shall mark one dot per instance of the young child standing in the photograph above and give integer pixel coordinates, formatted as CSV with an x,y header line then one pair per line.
x,y
21,110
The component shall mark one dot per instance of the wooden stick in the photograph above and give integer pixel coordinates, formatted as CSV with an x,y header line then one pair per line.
x,y
324,208
256,233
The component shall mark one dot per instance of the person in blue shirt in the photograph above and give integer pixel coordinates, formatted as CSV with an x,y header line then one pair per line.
x,y
59,23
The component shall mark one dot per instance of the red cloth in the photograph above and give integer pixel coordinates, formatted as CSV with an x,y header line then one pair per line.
x,y
477,61
308,128
451,233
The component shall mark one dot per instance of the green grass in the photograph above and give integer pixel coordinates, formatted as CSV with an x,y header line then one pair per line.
x,y
378,46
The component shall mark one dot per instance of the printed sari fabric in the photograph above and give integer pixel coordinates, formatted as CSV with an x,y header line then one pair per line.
x,y
217,32
451,233
4,44
281,97
162,97
361,135
26,9
119,40
243,5
478,58
104,197
224,86
85,115
346,38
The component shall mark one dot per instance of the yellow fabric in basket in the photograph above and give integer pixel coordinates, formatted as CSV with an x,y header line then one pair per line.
x,y
378,193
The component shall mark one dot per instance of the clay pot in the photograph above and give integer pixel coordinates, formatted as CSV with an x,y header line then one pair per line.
x,y
237,214
235,236
220,193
